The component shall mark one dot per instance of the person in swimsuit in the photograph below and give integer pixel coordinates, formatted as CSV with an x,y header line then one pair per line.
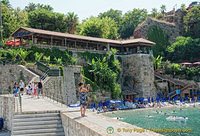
x,y
83,97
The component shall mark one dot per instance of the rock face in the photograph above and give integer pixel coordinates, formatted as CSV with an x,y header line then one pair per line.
x,y
169,28
172,24
137,75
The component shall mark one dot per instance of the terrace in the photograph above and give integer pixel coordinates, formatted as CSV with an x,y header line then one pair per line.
x,y
77,43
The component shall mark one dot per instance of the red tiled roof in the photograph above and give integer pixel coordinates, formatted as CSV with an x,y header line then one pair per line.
x,y
95,39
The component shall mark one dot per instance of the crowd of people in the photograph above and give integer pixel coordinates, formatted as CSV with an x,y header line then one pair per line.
x,y
35,89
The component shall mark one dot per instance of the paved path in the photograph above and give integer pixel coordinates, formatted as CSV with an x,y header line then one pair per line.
x,y
95,121
42,104
4,133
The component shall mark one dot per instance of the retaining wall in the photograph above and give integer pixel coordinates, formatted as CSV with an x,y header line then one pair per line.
x,y
7,110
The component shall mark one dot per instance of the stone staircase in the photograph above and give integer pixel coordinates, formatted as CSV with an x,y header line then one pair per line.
x,y
37,124
183,86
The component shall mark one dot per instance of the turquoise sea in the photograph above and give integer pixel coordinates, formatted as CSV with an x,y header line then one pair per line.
x,y
158,120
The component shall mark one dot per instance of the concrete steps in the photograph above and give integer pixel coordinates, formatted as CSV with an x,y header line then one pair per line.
x,y
37,124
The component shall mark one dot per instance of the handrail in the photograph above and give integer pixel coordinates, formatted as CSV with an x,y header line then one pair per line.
x,y
44,75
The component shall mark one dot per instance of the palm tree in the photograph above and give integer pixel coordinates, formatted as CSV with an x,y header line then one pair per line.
x,y
23,54
48,7
6,3
13,53
38,56
47,59
154,12
31,7
71,22
59,61
163,9
157,62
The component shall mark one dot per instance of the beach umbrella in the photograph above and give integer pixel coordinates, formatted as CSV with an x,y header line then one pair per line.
x,y
187,98
145,100
94,106
149,100
152,99
157,99
135,99
181,99
186,63
196,63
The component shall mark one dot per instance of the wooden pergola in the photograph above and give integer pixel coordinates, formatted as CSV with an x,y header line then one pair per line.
x,y
44,38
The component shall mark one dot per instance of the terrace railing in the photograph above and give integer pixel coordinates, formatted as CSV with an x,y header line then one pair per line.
x,y
48,71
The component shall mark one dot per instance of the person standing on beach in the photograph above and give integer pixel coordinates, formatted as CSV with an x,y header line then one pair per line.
x,y
83,97
40,89
21,85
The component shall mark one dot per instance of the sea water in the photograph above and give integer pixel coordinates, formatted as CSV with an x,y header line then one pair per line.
x,y
158,121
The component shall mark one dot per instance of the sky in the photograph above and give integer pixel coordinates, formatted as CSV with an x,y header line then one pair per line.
x,y
87,8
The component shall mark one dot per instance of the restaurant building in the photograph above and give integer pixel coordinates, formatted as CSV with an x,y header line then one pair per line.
x,y
48,39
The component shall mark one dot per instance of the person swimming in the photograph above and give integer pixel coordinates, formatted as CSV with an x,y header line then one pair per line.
x,y
149,116
165,113
173,111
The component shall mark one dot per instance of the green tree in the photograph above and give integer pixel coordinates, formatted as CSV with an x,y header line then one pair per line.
x,y
102,28
192,22
21,17
157,35
184,48
114,14
103,74
110,28
47,20
8,21
33,6
130,21
71,22
92,27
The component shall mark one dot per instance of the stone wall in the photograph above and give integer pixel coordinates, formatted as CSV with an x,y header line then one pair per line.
x,y
64,88
53,88
7,110
11,73
70,85
171,29
76,127
137,75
